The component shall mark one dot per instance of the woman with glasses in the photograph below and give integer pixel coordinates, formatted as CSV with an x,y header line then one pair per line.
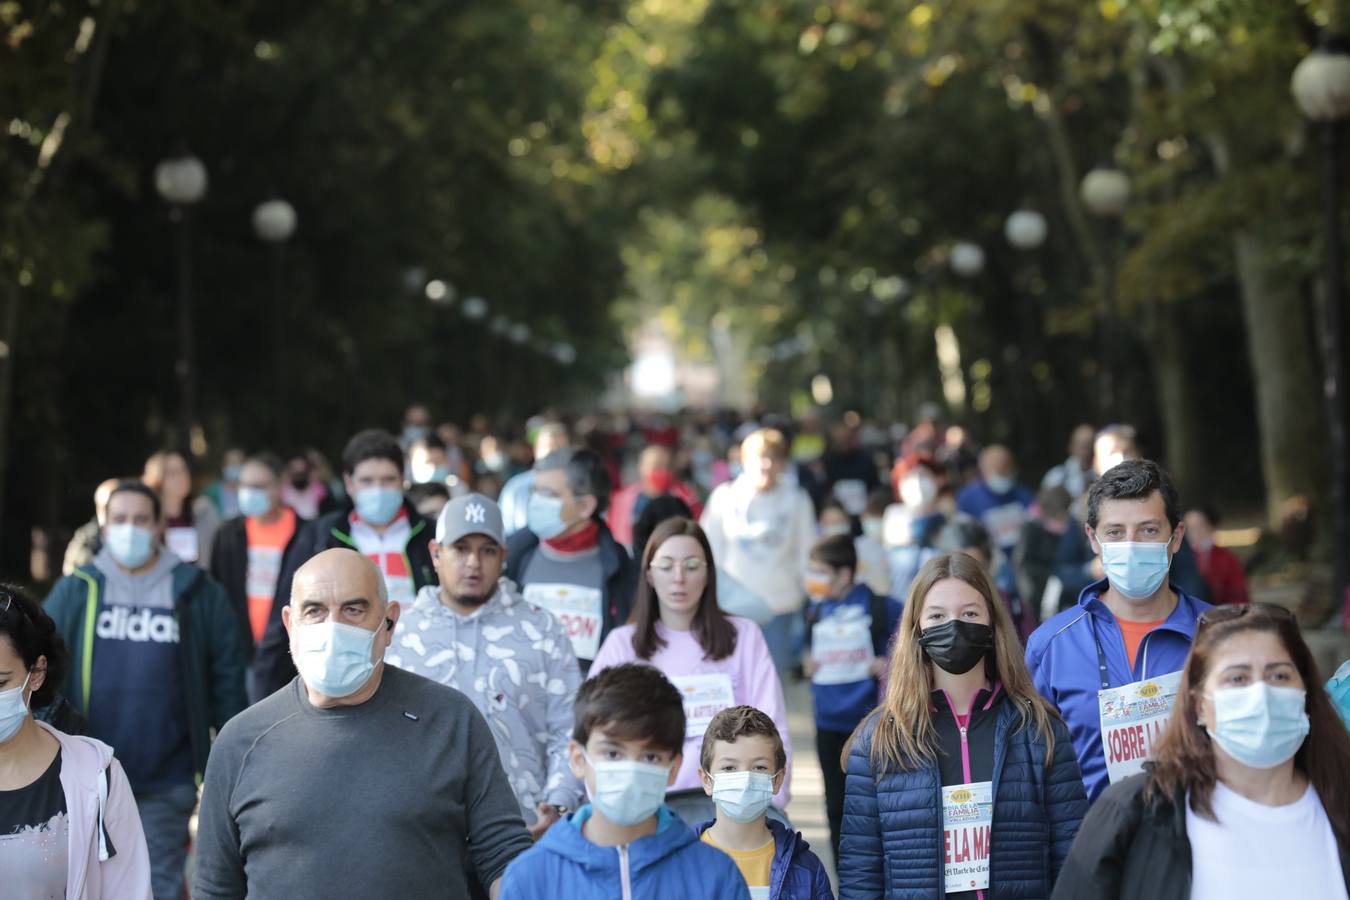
x,y
1246,795
69,827
716,660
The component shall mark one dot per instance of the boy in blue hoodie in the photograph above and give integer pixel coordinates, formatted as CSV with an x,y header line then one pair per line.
x,y
626,746
849,632
741,766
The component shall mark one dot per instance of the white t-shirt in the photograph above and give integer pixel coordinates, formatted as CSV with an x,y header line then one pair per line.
x,y
1260,852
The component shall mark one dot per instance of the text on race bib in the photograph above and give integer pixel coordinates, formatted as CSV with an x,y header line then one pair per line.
x,y
579,609
967,817
842,649
264,565
704,697
1133,718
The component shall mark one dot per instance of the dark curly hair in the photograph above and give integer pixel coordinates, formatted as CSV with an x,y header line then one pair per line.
x,y
32,633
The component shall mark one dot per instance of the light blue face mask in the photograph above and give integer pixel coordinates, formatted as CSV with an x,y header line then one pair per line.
x,y
332,658
378,505
1259,725
13,710
254,502
628,792
1000,484
544,516
231,473
1136,569
129,544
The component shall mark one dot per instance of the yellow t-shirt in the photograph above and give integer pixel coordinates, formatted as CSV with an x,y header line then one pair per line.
x,y
755,865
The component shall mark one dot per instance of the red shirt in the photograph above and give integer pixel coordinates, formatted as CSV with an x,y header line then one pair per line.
x,y
1223,572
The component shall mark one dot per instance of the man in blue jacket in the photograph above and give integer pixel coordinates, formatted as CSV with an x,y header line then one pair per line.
x,y
159,663
626,747
1111,664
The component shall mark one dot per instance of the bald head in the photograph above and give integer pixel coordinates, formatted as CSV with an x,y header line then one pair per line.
x,y
996,462
338,575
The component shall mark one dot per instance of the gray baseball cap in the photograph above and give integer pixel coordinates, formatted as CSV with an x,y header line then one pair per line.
x,y
470,514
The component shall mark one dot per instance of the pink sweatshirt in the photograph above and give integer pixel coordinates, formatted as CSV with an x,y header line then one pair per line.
x,y
118,867
753,682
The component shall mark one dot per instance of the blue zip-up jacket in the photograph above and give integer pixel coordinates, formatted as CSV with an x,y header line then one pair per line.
x,y
891,844
840,707
796,873
670,863
1062,657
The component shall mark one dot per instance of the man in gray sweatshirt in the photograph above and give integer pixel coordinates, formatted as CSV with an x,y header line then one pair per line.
x,y
357,779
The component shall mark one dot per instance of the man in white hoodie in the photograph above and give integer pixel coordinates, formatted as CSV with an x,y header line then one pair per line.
x,y
761,528
475,633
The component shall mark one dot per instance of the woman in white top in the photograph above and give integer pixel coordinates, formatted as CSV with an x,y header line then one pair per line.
x,y
1247,794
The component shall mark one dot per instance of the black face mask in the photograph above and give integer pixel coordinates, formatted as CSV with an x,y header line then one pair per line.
x,y
956,646
299,482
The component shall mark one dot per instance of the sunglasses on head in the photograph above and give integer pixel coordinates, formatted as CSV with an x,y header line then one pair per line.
x,y
1219,614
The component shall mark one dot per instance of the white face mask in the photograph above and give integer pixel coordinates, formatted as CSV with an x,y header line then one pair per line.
x,y
1259,725
742,796
627,792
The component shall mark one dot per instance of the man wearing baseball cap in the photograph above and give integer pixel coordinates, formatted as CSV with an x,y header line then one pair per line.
x,y
474,632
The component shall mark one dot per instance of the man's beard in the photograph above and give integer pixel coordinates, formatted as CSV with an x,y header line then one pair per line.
x,y
476,599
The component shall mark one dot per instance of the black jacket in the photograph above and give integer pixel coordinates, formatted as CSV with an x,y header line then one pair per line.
x,y
229,566
272,668
619,568
1133,849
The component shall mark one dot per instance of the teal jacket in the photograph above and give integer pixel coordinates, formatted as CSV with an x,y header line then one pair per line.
x,y
213,650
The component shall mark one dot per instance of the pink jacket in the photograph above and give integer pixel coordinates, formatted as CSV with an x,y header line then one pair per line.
x,y
107,855
754,682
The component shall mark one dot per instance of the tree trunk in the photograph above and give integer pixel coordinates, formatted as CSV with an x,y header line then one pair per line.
x,y
1288,406
1181,421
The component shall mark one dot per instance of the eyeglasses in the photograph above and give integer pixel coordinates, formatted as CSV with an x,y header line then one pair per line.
x,y
1217,614
692,565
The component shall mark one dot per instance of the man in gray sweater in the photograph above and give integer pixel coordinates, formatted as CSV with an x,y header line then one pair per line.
x,y
357,779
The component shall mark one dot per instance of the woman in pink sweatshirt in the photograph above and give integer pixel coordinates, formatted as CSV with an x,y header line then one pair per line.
x,y
68,822
716,660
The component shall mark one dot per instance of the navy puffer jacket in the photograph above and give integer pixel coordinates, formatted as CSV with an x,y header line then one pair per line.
x,y
891,844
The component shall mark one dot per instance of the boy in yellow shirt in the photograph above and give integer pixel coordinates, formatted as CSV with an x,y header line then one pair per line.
x,y
742,766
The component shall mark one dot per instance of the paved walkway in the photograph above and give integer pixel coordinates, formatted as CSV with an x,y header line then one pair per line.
x,y
807,809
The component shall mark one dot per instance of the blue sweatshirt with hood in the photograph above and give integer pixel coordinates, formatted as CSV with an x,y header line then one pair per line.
x,y
840,707
673,862
796,872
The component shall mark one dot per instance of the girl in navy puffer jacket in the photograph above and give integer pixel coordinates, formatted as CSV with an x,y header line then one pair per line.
x,y
963,783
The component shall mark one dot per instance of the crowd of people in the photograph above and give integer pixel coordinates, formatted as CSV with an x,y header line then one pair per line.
x,y
549,663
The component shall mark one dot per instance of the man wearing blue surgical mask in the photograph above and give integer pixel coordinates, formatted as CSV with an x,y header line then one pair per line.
x,y
378,522
159,663
567,560
1111,664
353,754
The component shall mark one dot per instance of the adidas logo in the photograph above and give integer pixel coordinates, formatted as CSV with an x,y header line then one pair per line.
x,y
120,624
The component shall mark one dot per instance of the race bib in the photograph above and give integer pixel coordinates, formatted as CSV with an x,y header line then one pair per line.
x,y
704,697
1133,718
852,495
182,543
264,565
1005,523
967,814
579,609
842,649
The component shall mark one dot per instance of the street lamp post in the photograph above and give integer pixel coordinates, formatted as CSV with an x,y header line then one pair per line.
x,y
181,181
274,222
1321,87
1104,192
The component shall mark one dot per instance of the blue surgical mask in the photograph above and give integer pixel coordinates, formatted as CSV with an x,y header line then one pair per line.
x,y
232,473
1259,725
13,710
332,658
1136,569
742,796
378,505
1000,484
131,545
414,433
254,502
544,516
628,792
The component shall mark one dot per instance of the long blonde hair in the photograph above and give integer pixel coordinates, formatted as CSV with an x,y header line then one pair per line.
x,y
904,737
